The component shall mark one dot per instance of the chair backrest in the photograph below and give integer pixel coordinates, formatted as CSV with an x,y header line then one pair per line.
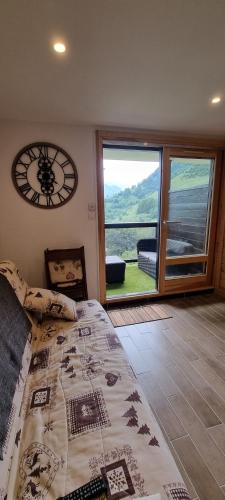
x,y
147,245
65,270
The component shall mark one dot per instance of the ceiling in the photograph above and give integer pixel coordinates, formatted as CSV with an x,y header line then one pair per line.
x,y
135,63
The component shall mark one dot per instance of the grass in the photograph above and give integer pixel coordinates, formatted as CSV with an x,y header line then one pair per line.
x,y
135,281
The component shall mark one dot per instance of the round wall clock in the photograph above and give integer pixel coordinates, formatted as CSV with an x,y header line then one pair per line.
x,y
44,175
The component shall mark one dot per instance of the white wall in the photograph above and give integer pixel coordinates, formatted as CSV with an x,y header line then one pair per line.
x,y
26,231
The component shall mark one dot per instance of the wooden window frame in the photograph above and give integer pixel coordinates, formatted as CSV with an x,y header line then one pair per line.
x,y
191,145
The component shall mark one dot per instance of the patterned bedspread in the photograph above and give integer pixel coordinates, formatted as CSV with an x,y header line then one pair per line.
x,y
83,414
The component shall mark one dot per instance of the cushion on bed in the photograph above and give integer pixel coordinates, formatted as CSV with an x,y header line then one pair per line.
x,y
14,330
19,285
177,247
51,303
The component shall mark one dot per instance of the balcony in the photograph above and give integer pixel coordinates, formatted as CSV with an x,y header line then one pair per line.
x,y
122,241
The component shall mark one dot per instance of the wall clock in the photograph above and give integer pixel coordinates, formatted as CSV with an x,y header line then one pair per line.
x,y
44,175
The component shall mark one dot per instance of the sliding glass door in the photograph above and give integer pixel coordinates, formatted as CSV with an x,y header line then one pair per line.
x,y
158,212
188,219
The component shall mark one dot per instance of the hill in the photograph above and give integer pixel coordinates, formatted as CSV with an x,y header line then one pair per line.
x,y
110,190
140,203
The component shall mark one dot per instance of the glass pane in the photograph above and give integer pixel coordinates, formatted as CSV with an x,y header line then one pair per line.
x,y
185,270
189,205
131,184
131,200
124,241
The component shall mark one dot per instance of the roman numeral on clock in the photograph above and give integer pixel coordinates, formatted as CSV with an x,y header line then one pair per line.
x,y
24,164
68,189
69,176
65,163
21,175
49,201
25,188
31,154
35,197
43,151
61,197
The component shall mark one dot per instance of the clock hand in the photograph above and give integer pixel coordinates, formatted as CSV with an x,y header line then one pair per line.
x,y
53,161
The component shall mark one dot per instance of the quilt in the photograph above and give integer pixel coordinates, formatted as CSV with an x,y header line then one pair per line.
x,y
83,414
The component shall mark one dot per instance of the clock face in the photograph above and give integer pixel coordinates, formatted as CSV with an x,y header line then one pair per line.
x,y
44,175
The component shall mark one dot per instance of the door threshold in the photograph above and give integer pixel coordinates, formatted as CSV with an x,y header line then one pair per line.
x,y
157,295
131,297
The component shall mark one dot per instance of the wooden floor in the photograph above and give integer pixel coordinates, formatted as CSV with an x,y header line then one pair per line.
x,y
180,363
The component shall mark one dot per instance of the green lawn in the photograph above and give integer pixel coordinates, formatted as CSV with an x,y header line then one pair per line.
x,y
135,281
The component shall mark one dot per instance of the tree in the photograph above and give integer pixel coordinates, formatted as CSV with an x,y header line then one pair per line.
x,y
133,422
153,442
134,397
144,429
130,413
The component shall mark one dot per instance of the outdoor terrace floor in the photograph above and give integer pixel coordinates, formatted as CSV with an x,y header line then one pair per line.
x,y
136,281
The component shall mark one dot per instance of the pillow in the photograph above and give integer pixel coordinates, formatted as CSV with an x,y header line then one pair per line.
x,y
178,247
51,303
65,271
14,330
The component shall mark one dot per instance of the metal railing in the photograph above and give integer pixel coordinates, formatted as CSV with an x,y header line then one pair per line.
x,y
131,225
128,225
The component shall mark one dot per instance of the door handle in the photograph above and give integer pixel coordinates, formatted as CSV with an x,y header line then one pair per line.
x,y
171,222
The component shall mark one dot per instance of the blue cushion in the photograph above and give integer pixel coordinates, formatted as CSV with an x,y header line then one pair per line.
x,y
14,330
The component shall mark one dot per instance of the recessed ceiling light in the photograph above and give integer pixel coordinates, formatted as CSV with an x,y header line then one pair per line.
x,y
216,99
59,47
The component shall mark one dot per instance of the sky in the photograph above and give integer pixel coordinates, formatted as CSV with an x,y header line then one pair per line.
x,y
127,173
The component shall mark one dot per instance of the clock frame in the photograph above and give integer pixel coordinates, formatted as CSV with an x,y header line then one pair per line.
x,y
44,175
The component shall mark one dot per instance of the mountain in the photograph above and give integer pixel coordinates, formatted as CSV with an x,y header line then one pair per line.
x,y
140,203
110,190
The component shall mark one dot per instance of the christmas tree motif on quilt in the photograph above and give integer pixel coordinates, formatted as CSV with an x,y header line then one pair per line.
x,y
134,397
144,429
130,413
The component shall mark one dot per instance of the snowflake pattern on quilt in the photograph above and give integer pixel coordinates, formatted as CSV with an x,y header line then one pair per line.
x,y
86,413
120,468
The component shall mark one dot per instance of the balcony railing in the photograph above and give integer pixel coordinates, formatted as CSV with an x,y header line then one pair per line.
x,y
127,243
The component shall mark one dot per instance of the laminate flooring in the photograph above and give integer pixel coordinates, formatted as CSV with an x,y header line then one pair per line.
x,y
180,363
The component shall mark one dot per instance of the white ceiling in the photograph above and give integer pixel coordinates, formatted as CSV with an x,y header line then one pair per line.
x,y
137,63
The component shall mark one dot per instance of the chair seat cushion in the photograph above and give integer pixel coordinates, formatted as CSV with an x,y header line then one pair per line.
x,y
150,255
65,271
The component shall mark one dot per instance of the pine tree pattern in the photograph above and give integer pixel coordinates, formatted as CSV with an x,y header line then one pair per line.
x,y
72,350
65,362
17,439
132,422
130,413
144,429
134,397
69,370
153,442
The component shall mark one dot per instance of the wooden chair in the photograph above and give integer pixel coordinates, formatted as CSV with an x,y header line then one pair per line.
x,y
65,272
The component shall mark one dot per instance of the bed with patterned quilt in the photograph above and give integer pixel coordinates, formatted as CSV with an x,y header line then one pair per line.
x,y
76,411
